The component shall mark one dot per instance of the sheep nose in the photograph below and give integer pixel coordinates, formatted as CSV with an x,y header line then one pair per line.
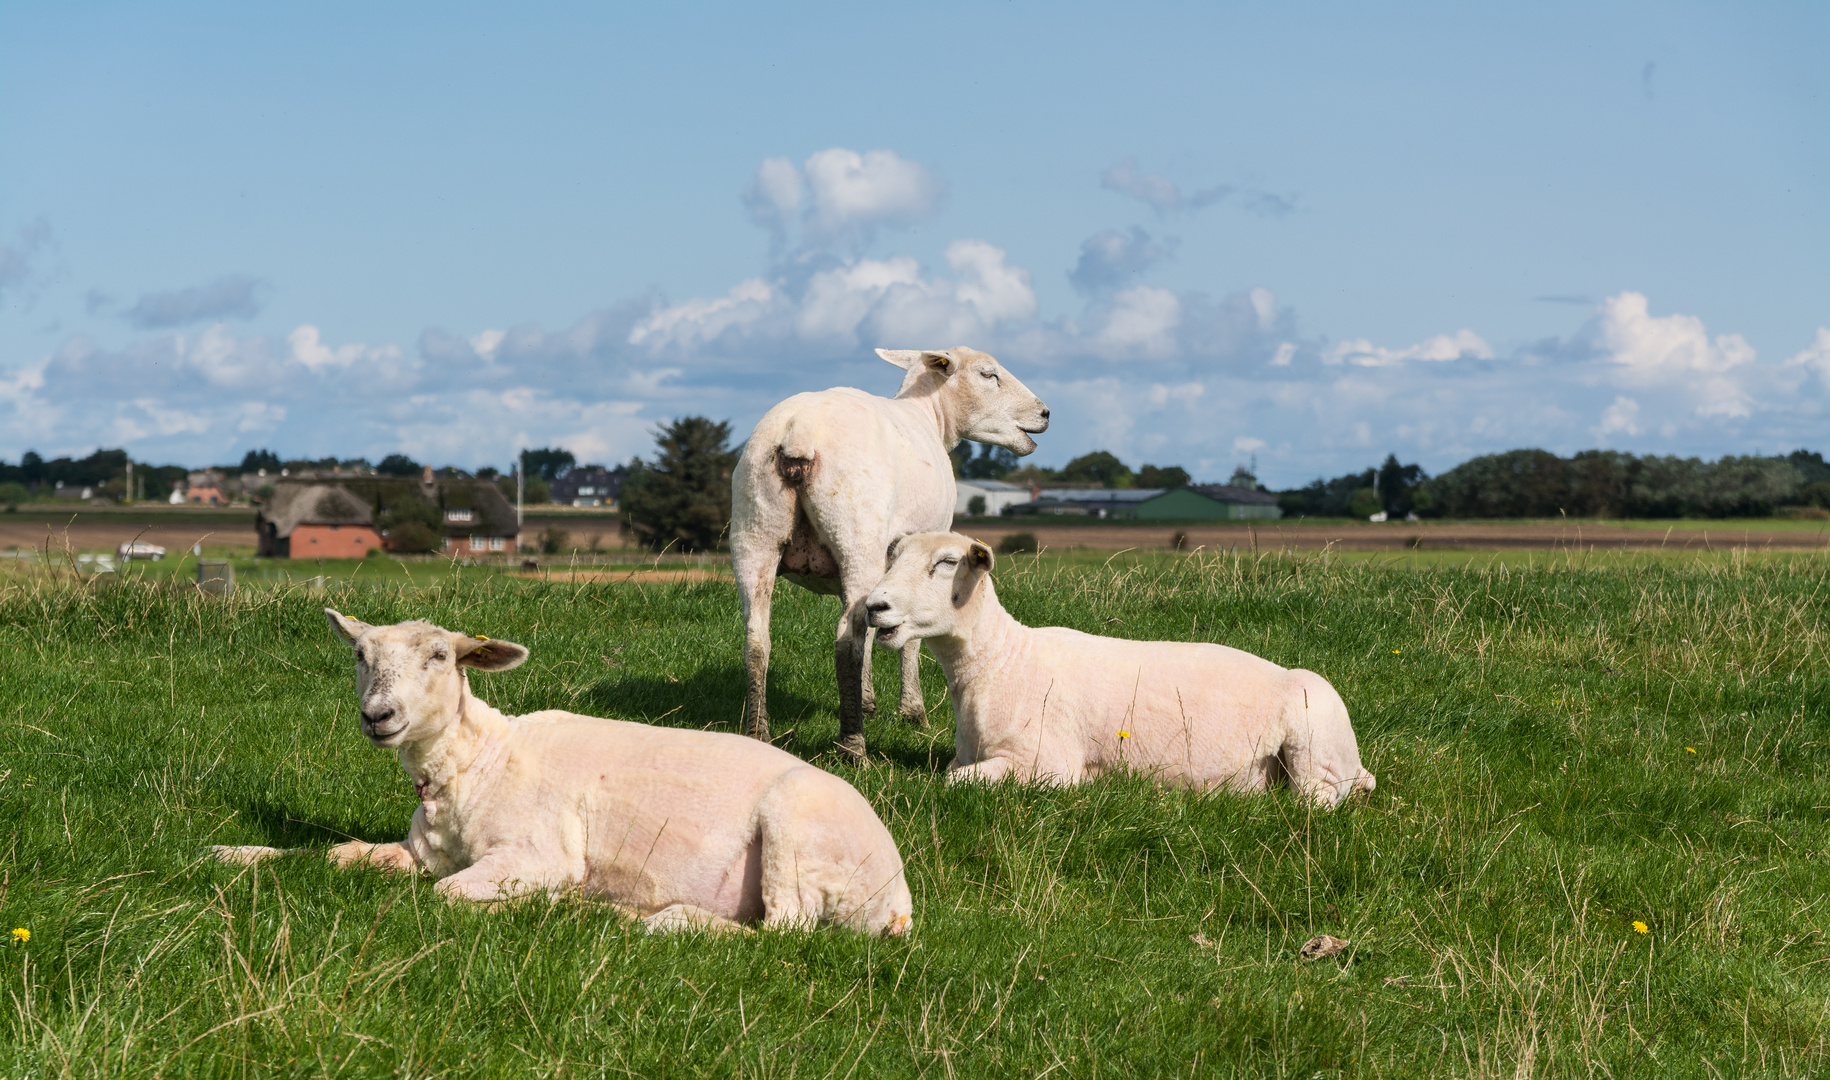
x,y
877,607
1045,413
378,717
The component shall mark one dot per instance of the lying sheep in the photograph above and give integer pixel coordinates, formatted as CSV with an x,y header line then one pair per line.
x,y
1058,704
689,828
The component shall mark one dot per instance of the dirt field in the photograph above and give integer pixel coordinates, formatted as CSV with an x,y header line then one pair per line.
x,y
1429,536
623,577
234,535
104,533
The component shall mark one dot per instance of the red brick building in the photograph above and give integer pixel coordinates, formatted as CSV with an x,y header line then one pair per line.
x,y
315,521
347,518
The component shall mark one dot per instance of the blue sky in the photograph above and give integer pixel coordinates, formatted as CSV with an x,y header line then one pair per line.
x,y
1310,233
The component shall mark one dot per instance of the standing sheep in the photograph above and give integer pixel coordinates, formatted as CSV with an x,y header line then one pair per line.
x,y
689,828
828,479
1062,705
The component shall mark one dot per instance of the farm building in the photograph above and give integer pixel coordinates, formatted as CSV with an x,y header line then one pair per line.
x,y
315,521
345,518
1094,502
996,495
1209,502
588,485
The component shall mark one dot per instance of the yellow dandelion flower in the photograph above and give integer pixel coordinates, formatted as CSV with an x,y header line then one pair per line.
x,y
21,935
1397,652
1640,927
1124,734
1691,749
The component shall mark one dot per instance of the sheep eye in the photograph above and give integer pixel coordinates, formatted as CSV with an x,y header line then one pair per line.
x,y
992,375
944,562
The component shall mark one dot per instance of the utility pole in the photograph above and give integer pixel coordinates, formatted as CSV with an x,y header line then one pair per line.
x,y
127,496
520,483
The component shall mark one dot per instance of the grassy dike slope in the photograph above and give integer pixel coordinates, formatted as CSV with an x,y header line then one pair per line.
x,y
1531,729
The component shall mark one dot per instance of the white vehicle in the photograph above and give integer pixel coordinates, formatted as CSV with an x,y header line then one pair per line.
x,y
135,549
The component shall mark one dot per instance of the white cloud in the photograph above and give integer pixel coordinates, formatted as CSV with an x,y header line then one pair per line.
x,y
1143,319
843,195
1246,444
1111,258
887,300
1286,352
697,322
1658,348
308,348
1815,357
1620,418
1461,345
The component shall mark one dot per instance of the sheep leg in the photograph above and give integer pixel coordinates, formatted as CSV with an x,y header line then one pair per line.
x,y
989,771
912,707
867,678
756,588
678,917
488,882
853,667
381,856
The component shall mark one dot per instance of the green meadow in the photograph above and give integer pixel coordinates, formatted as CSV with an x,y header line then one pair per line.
x,y
1597,847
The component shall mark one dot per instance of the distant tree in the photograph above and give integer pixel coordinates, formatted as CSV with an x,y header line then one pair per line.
x,y
256,460
1810,465
1398,486
683,498
487,472
1326,498
1030,476
1364,504
975,506
1163,476
1099,467
412,538
31,467
991,463
398,465
12,493
548,463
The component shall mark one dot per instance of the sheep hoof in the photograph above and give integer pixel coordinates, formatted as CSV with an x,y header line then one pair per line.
x,y
851,748
915,718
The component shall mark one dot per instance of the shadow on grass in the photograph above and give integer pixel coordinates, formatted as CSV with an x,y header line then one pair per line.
x,y
279,826
708,699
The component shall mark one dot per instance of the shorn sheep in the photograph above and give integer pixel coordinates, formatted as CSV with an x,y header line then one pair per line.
x,y
686,828
828,479
1059,705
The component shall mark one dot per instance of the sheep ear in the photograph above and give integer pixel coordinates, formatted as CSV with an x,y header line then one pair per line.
x,y
486,654
979,557
345,627
939,362
902,358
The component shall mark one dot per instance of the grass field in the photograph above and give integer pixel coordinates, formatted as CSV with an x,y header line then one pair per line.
x,y
1565,747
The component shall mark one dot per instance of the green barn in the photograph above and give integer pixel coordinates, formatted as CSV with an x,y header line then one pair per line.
x,y
1210,502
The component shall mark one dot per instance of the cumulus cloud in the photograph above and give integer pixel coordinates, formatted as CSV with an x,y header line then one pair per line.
x,y
1815,358
309,349
841,195
1461,345
234,297
852,301
1111,258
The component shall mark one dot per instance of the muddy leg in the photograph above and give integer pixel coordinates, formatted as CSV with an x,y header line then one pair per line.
x,y
913,708
851,681
756,588
867,676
